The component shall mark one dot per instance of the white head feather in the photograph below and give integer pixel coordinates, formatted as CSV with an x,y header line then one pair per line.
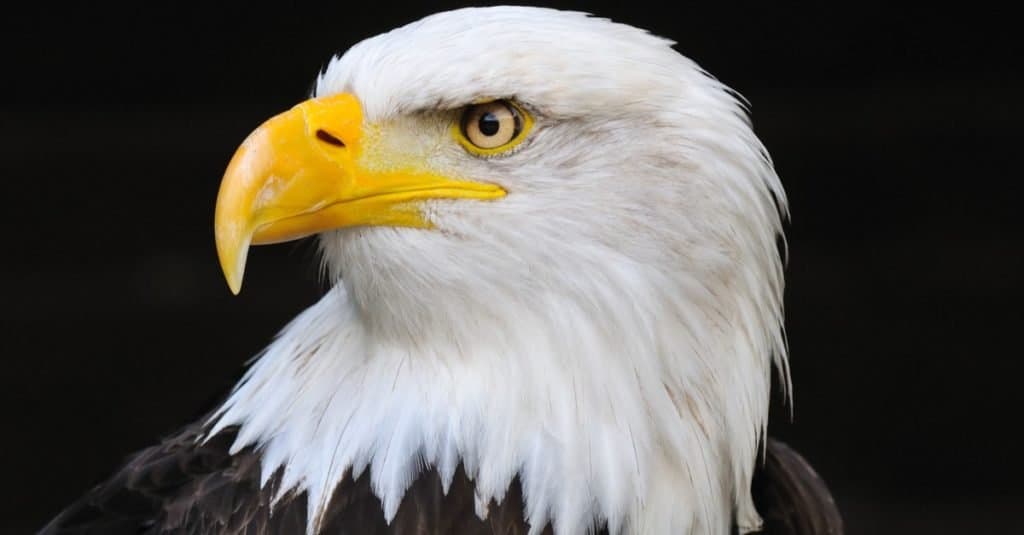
x,y
606,331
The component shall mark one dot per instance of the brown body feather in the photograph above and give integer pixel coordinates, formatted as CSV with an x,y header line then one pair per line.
x,y
184,486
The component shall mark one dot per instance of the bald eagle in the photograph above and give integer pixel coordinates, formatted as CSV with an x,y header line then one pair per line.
x,y
556,303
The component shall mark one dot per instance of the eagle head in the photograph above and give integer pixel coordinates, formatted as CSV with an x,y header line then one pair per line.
x,y
553,246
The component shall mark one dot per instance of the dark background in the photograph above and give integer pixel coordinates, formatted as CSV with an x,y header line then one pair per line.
x,y
896,133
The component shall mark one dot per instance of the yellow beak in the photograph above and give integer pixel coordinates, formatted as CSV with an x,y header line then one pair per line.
x,y
299,174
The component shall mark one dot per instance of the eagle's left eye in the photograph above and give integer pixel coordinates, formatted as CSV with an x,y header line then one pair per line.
x,y
492,127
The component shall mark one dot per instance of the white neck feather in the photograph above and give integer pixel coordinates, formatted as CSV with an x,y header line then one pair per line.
x,y
645,417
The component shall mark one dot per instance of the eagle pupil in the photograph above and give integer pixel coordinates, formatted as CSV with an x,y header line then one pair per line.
x,y
489,124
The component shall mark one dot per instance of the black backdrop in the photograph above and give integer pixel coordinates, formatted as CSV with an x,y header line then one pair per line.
x,y
896,132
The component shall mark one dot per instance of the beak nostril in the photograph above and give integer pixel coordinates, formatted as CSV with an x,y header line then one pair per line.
x,y
324,136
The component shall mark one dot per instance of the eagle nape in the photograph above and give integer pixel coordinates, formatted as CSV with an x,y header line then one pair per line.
x,y
555,303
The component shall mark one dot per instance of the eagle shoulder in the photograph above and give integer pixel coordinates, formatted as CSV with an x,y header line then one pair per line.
x,y
188,485
790,496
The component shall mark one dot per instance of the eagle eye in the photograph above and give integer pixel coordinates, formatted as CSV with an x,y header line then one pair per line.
x,y
492,127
